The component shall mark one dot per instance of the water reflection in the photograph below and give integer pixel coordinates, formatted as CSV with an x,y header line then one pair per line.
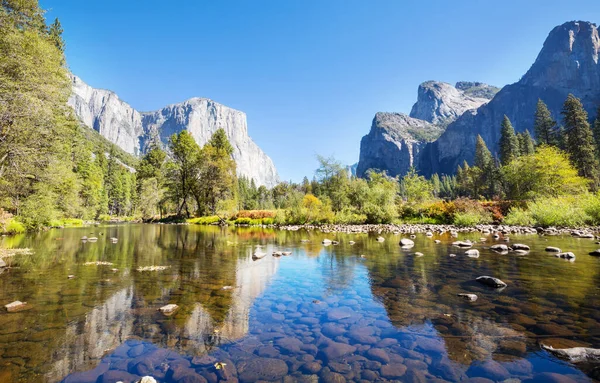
x,y
324,312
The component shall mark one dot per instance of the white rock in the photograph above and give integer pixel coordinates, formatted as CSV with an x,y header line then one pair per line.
x,y
169,309
14,306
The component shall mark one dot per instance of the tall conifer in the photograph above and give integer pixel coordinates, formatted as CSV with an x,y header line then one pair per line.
x,y
544,126
580,141
509,143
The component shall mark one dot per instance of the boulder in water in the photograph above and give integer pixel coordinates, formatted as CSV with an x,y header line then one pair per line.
x,y
491,281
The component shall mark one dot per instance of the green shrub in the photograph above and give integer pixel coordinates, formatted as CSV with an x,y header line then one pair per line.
x,y
104,218
591,205
519,217
210,220
14,227
243,221
349,217
560,211
268,221
567,211
472,218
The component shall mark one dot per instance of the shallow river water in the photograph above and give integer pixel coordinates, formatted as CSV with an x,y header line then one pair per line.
x,y
364,312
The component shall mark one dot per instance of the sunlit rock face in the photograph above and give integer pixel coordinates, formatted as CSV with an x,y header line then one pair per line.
x,y
395,140
134,132
567,63
441,103
103,111
393,143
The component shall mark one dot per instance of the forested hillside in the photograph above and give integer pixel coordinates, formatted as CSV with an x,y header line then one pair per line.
x,y
50,166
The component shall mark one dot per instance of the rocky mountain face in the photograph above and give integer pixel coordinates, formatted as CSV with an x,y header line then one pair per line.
x,y
440,103
103,111
567,63
396,140
133,131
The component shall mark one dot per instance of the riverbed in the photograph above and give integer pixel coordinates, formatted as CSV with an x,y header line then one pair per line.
x,y
367,311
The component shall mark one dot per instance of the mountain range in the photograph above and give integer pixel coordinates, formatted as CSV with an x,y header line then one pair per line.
x,y
442,127
135,132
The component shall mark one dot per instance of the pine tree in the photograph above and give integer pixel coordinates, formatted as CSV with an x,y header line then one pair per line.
x,y
580,142
526,144
596,132
509,143
544,126
483,156
55,32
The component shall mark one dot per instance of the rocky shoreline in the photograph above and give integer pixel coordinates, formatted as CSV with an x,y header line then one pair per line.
x,y
585,232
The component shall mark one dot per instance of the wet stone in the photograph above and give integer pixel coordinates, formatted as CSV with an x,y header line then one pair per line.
x,y
392,371
490,369
262,369
311,368
337,314
337,350
379,355
332,330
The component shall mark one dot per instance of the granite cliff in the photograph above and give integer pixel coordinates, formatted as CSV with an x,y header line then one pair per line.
x,y
103,111
567,63
396,140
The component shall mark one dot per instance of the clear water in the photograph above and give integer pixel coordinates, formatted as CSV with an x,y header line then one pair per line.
x,y
323,313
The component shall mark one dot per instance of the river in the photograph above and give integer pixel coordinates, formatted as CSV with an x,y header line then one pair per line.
x,y
370,311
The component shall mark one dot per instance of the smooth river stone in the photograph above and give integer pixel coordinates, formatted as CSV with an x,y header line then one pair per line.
x,y
339,313
336,350
262,369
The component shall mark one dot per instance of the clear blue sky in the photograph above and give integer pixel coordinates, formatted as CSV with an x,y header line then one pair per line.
x,y
309,74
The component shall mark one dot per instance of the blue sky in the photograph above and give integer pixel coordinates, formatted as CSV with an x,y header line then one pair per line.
x,y
311,74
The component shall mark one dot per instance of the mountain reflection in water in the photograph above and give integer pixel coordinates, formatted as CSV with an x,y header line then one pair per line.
x,y
321,313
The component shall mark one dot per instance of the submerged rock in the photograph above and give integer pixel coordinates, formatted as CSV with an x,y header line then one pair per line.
x,y
567,255
380,239
469,297
595,253
575,354
491,281
552,249
520,246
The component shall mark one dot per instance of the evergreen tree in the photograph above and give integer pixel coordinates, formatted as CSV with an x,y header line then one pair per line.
x,y
485,169
483,156
526,144
509,143
437,184
544,126
55,32
580,141
596,132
